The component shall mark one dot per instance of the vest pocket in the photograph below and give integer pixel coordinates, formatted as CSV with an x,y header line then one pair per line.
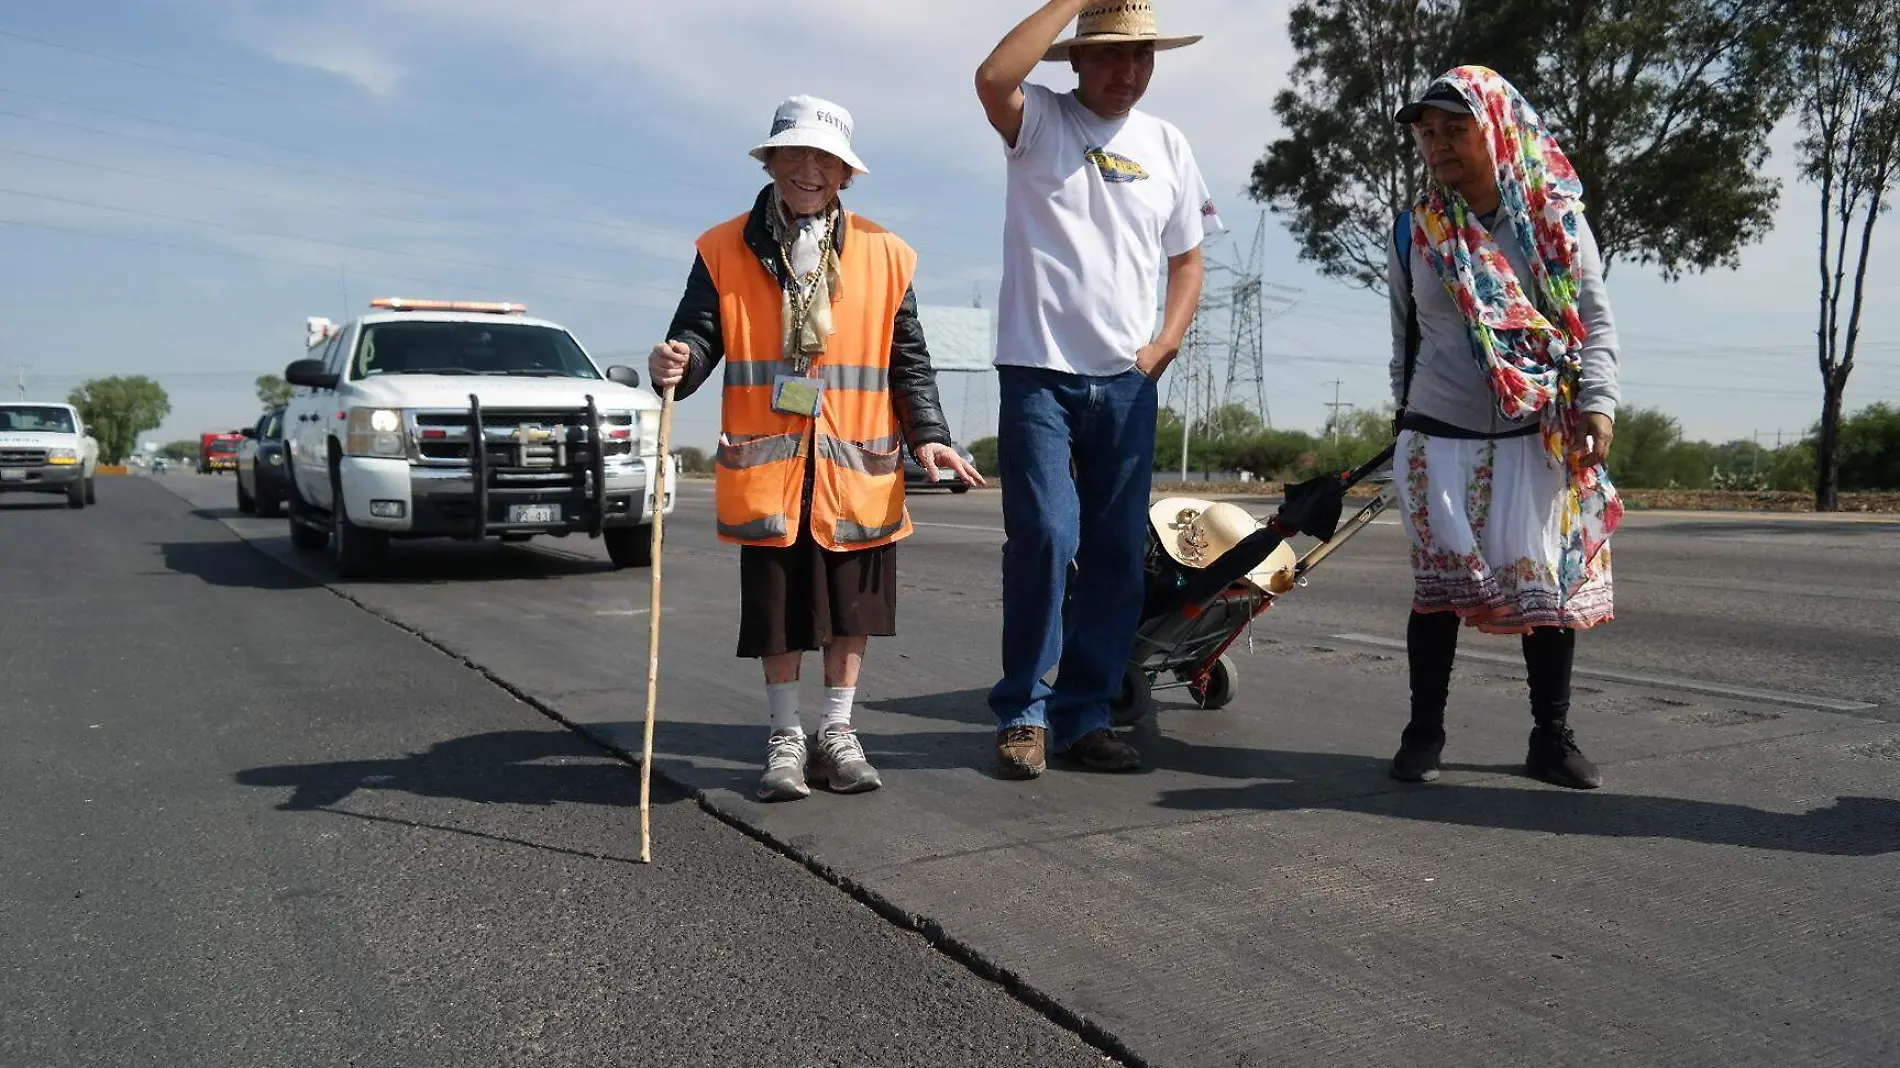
x,y
867,490
759,479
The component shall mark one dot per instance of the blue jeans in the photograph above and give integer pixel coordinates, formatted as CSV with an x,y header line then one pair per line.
x,y
1097,518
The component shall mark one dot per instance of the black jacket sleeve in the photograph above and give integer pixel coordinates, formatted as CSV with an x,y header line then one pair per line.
x,y
914,381
696,323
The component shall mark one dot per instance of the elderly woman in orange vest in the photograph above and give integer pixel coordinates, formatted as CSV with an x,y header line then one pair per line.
x,y
826,376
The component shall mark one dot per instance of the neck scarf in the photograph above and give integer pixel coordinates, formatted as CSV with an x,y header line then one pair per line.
x,y
808,250
1526,336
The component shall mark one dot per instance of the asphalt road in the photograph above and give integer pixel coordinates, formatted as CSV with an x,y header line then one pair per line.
x,y
248,824
1263,894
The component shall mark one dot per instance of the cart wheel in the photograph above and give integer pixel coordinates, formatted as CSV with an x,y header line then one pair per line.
x,y
1217,690
1134,702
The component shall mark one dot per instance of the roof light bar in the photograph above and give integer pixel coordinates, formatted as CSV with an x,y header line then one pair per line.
x,y
487,307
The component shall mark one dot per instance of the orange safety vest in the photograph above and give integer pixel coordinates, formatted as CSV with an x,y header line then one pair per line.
x,y
857,499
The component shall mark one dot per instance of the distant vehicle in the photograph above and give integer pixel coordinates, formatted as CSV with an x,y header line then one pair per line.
x,y
916,478
432,419
46,448
217,451
262,482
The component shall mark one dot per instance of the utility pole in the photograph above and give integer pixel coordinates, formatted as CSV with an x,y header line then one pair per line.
x,y
1333,422
19,378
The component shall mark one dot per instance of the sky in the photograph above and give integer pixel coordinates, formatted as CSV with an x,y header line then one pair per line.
x,y
183,182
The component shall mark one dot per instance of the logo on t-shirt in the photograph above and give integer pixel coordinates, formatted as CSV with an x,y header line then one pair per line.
x,y
1116,168
1207,209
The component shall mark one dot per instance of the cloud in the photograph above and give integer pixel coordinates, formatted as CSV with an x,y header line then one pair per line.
x,y
315,44
903,69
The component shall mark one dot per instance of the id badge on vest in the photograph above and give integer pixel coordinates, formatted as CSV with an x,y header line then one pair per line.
x,y
798,395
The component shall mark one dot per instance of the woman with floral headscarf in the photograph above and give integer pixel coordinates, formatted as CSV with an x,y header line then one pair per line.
x,y
1505,369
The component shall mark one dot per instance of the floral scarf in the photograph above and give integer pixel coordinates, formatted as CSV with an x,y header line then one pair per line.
x,y
1529,345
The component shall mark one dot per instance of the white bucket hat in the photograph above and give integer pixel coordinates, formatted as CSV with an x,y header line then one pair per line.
x,y
808,122
1196,533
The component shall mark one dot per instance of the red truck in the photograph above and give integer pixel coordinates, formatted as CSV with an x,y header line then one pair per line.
x,y
217,451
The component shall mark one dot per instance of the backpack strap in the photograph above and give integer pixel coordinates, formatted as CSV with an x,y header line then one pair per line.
x,y
1402,244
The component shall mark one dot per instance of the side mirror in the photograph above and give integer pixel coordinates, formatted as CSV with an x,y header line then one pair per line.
x,y
249,432
309,373
625,376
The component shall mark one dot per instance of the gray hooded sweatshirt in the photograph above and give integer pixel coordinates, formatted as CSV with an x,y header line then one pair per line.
x,y
1447,384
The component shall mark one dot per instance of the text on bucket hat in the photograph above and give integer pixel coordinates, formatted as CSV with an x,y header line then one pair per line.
x,y
808,122
1116,22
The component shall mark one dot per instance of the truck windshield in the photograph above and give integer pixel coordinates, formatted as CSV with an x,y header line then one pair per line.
x,y
35,419
224,446
430,348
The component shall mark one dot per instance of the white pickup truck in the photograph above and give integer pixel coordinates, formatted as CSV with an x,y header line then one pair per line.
x,y
432,419
45,448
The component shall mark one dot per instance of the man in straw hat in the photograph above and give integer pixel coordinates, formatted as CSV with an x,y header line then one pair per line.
x,y
811,308
1100,197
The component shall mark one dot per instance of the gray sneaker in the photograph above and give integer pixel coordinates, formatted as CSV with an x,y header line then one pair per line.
x,y
838,758
785,758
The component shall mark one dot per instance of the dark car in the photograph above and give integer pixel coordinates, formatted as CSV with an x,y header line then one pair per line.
x,y
915,478
262,482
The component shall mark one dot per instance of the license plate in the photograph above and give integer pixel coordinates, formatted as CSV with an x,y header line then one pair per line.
x,y
12,476
534,513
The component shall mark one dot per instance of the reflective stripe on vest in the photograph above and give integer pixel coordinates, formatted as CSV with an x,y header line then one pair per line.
x,y
857,488
868,379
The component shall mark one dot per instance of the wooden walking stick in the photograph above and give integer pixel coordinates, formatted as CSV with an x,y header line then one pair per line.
x,y
660,487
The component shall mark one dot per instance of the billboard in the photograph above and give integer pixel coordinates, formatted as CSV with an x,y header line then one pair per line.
x,y
960,339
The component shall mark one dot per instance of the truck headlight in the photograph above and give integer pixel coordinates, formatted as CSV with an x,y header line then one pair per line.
x,y
62,457
375,432
646,432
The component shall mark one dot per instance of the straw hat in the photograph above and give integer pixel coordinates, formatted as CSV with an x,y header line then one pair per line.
x,y
1116,22
1197,533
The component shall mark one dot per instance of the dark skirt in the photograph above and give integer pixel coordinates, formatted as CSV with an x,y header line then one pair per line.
x,y
798,598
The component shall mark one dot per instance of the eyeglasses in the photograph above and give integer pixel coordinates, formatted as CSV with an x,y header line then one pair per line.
x,y
803,154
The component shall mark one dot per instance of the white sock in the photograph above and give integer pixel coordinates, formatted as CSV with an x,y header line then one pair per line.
x,y
781,701
838,701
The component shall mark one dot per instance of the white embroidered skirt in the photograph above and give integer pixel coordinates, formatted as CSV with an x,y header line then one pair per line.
x,y
1485,522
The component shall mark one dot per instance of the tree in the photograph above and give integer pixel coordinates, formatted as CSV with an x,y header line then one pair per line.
x,y
983,451
1664,105
118,410
1870,449
273,391
181,451
1847,66
693,461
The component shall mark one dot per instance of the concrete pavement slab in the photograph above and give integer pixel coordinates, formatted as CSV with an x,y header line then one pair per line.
x,y
1256,896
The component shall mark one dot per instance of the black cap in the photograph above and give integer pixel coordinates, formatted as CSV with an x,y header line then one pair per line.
x,y
1442,95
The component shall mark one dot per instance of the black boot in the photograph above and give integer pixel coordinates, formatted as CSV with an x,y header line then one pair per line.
x,y
1419,749
1554,756
1431,645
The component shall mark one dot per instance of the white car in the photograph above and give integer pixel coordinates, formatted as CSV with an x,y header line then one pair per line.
x,y
46,448
455,419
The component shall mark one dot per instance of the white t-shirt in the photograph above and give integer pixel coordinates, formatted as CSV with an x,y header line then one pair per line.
x,y
1095,209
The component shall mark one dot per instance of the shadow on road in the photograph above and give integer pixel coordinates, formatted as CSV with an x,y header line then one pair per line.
x,y
231,563
1850,826
1347,782
47,503
501,768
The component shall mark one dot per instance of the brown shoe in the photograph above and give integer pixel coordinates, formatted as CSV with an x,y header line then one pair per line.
x,y
1020,753
1100,750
